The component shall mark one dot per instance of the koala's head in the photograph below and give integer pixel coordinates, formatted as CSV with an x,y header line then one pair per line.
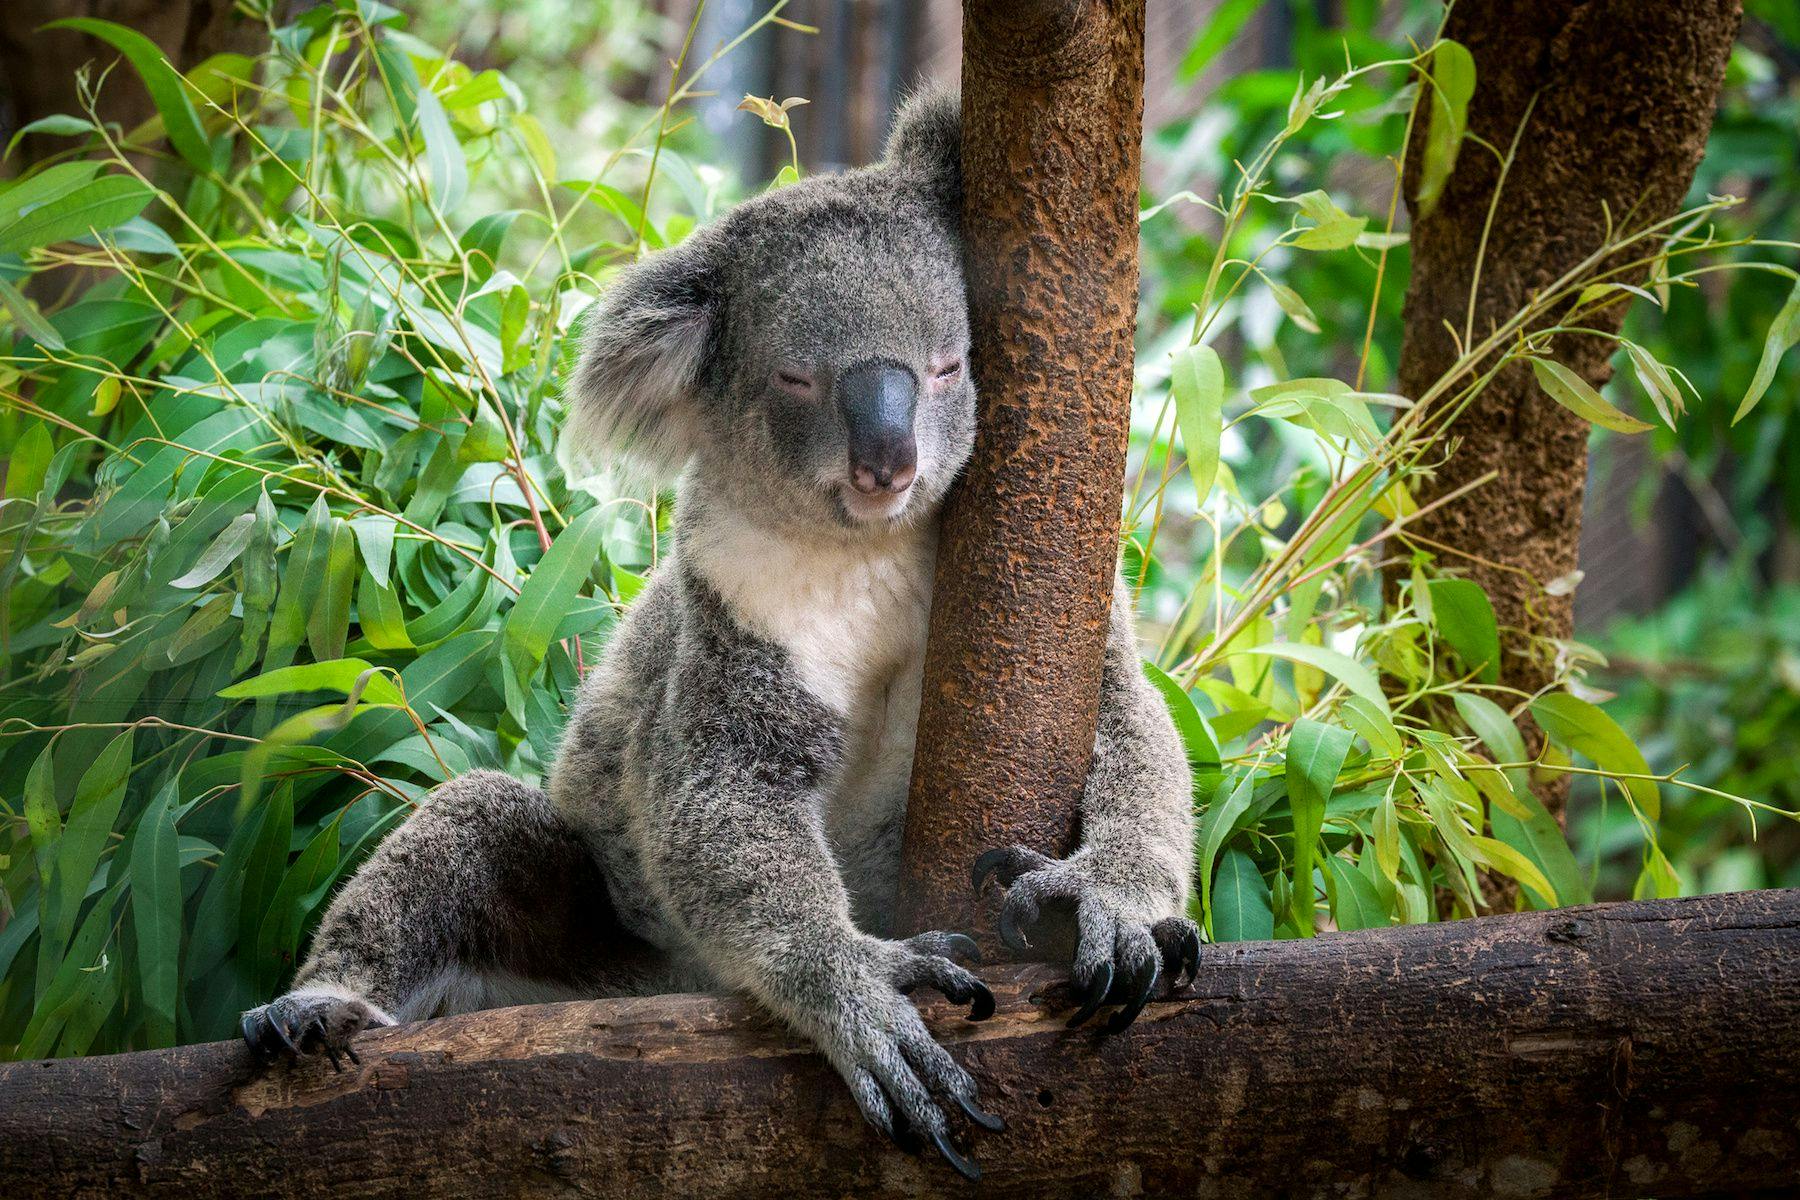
x,y
809,351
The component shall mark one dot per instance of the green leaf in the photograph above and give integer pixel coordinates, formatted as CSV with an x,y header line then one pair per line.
x,y
444,162
551,589
214,929
1355,903
1217,824
1197,383
29,319
1315,755
70,977
43,186
279,936
98,798
1541,840
42,818
156,914
1375,725
1202,747
56,124
1656,381
1386,841
1580,727
1579,397
1358,679
1658,878
1242,909
300,583
1465,616
375,539
1297,309
108,201
1332,228
221,554
1783,333
267,863
29,463
346,676
1452,86
328,620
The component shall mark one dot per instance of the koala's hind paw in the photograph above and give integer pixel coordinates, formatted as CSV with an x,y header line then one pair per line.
x,y
1122,951
304,1021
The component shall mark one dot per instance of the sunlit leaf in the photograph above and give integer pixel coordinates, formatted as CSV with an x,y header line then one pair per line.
x,y
1452,75
1315,755
1242,909
1783,333
1197,383
1584,729
1578,396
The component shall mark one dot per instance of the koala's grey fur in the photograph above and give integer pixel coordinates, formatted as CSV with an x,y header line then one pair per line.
x,y
725,811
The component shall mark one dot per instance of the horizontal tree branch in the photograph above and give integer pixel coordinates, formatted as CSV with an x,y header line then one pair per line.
x,y
1645,1049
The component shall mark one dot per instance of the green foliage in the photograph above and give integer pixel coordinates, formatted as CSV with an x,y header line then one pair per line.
x,y
285,542
1712,679
1362,762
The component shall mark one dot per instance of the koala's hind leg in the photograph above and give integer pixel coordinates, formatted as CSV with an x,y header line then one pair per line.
x,y
483,897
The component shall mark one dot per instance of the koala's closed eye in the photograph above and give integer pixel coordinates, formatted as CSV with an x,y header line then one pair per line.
x,y
795,383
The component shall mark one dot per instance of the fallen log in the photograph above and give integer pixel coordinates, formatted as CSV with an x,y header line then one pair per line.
x,y
1644,1049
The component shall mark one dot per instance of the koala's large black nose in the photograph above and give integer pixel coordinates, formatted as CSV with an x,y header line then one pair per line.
x,y
877,400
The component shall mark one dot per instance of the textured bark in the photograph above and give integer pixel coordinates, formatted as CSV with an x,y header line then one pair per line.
x,y
1647,1049
1625,92
1052,94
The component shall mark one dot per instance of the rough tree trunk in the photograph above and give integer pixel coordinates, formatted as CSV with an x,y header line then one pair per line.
x,y
1052,95
1620,1050
1625,92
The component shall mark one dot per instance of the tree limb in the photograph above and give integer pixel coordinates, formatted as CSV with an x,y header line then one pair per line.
x,y
1632,1049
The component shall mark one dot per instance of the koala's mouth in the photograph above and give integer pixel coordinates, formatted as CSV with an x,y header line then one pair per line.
x,y
868,509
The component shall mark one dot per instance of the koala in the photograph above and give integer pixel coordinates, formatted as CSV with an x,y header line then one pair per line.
x,y
725,809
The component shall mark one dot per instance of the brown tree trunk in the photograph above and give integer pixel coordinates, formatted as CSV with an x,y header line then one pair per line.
x,y
1624,1050
1052,95
1624,94
37,70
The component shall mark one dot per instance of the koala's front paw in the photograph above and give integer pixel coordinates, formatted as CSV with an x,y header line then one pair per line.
x,y
896,1070
306,1020
1121,951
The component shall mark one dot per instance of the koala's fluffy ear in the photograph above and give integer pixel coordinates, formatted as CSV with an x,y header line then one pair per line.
x,y
927,141
634,402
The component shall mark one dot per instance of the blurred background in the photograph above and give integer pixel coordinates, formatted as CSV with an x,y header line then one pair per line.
x,y
1690,596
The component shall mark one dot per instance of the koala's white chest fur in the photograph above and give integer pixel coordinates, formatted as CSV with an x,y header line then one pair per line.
x,y
852,616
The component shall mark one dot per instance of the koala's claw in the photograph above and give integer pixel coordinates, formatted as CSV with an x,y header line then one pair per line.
x,y
973,1111
1007,863
930,961
1093,995
966,1167
299,1022
1178,940
1144,983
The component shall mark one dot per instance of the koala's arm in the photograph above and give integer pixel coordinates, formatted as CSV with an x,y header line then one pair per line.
x,y
737,855
1128,881
1137,815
